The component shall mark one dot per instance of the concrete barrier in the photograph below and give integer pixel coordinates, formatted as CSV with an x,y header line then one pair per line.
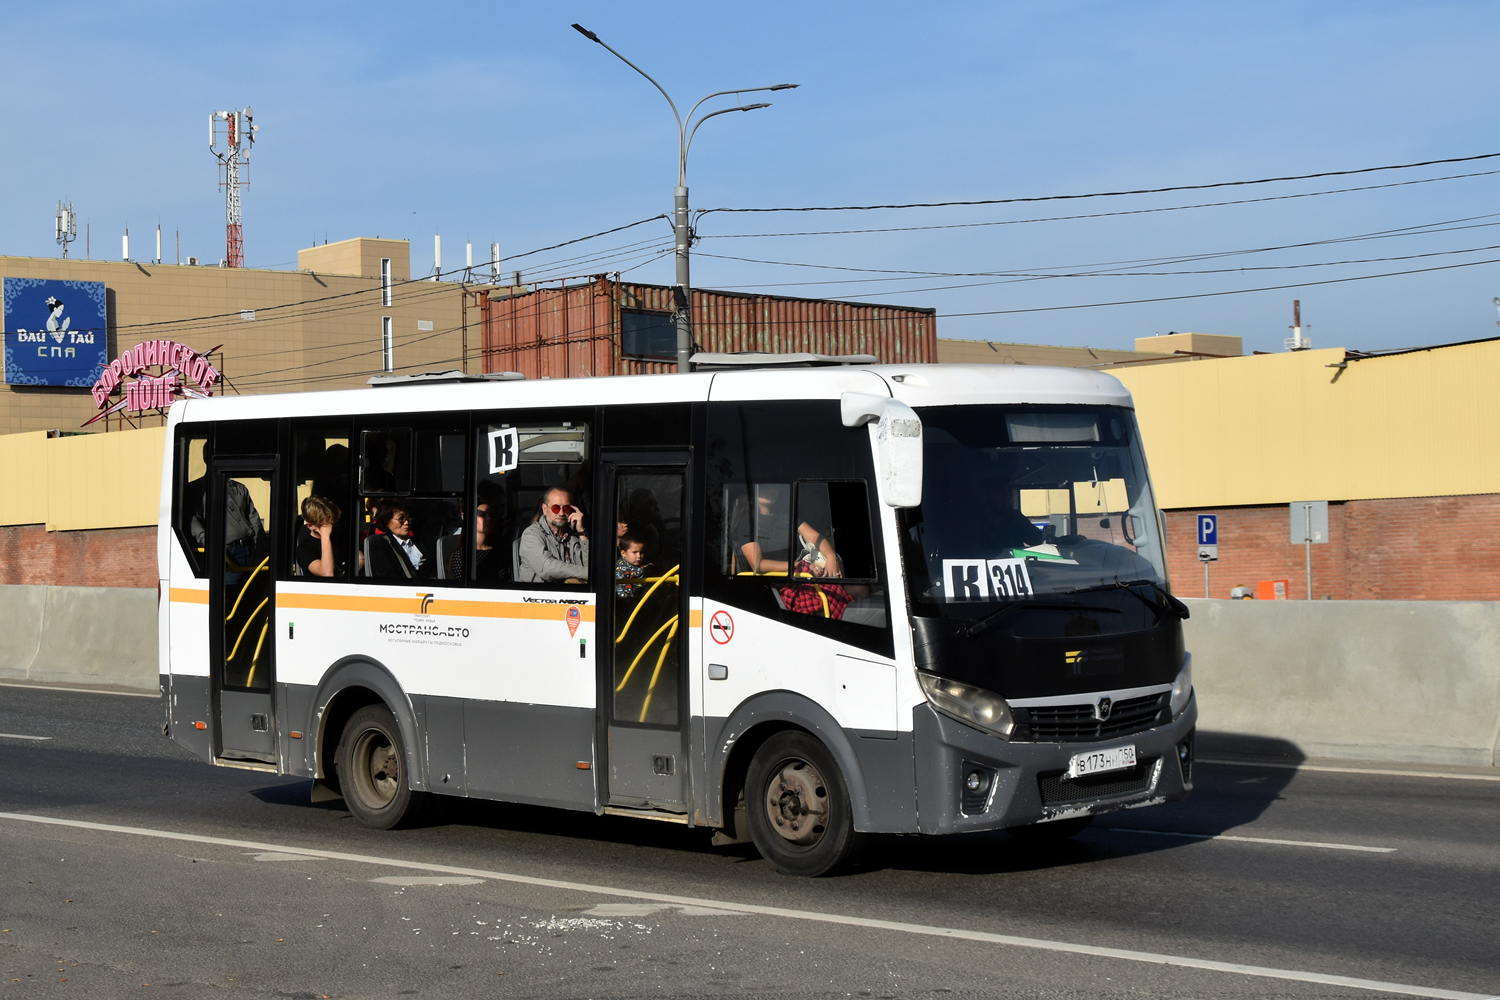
x,y
102,637
1414,681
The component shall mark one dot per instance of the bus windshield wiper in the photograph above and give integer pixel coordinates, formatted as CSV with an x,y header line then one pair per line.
x,y
983,624
1168,602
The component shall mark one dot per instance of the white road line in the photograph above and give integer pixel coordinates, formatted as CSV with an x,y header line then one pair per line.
x,y
53,687
1350,770
18,736
985,937
1252,840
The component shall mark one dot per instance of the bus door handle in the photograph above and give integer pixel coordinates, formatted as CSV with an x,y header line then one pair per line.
x,y
718,672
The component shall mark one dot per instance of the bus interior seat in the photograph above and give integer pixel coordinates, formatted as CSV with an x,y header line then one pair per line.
x,y
445,546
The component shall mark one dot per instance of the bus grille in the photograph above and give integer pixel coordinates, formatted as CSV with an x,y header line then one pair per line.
x,y
1056,791
1076,723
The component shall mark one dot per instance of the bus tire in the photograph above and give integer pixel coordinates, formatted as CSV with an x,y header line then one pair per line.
x,y
372,770
1054,832
798,805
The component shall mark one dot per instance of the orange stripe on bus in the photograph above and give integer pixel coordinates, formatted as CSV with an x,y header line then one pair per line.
x,y
182,595
695,618
440,606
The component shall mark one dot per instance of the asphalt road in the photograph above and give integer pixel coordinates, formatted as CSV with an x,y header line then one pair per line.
x,y
128,868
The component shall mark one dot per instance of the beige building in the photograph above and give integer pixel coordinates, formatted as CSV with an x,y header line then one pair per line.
x,y
320,327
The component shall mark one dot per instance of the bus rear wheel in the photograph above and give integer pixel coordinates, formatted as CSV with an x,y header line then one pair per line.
x,y
798,806
373,776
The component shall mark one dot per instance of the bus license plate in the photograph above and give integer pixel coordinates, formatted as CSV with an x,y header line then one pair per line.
x,y
1099,761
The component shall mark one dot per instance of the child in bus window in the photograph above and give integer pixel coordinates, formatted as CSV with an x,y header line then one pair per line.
x,y
632,563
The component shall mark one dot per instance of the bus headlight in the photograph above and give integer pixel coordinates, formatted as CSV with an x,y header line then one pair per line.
x,y
1182,687
975,706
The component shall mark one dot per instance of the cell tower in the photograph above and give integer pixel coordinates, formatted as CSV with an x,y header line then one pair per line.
x,y
67,225
239,135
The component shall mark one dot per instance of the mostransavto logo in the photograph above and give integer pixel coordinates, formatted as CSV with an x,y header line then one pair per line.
x,y
422,628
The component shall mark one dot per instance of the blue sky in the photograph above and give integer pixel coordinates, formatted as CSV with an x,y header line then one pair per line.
x,y
499,122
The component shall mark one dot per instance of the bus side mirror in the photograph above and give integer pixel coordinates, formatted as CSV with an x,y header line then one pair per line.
x,y
898,443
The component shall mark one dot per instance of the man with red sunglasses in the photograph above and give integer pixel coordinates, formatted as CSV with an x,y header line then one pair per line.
x,y
554,547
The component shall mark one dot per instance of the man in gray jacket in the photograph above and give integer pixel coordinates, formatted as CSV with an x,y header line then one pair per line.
x,y
554,548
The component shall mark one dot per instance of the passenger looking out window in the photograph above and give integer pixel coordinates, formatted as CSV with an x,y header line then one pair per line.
x,y
491,561
391,550
632,563
555,546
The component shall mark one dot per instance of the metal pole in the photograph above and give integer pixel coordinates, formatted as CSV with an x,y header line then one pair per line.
x,y
1205,579
1307,543
684,284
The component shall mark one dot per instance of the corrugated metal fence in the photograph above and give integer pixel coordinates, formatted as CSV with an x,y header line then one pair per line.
x,y
575,330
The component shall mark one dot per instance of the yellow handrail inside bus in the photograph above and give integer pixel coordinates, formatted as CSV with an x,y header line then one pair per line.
x,y
255,660
670,622
651,688
246,627
668,575
246,586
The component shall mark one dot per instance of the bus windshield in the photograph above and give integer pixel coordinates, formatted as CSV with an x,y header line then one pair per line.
x,y
1029,502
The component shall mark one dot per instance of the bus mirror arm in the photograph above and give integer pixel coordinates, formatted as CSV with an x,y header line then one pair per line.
x,y
898,443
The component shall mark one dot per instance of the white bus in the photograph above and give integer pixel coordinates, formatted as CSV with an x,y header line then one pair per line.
x,y
792,605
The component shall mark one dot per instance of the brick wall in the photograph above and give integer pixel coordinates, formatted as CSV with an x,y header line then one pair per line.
x,y
1411,549
108,557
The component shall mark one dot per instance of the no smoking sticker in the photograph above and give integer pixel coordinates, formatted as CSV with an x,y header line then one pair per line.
x,y
721,627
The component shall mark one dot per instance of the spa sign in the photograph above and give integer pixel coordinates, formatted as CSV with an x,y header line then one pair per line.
x,y
55,332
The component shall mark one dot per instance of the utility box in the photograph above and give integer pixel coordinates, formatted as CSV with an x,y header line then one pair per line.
x,y
1271,590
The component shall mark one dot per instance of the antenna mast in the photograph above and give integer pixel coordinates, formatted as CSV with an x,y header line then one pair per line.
x,y
239,136
67,226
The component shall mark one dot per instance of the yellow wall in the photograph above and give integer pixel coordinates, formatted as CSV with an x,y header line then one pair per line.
x,y
88,481
23,470
1278,428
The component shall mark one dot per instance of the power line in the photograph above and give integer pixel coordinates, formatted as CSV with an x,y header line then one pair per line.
x,y
1114,194
1209,295
1101,215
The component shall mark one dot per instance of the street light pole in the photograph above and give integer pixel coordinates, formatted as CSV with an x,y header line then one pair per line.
x,y
681,228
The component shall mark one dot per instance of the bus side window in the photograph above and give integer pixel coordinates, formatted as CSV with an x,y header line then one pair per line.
x,y
385,461
800,541
411,500
519,459
189,521
321,503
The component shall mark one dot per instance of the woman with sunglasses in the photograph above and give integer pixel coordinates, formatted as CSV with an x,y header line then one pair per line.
x,y
554,547
391,549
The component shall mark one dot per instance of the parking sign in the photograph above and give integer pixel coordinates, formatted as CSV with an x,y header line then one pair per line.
x,y
1208,529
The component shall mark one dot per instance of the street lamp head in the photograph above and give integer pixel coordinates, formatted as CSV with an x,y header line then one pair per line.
x,y
752,107
586,33
779,86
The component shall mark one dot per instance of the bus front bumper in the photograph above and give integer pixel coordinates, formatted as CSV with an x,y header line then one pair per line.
x,y
1019,784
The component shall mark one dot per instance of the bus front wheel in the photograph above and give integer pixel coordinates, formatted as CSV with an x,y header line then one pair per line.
x,y
798,806
372,770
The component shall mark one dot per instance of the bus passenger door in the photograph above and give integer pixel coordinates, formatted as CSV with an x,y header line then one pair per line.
x,y
643,670
241,609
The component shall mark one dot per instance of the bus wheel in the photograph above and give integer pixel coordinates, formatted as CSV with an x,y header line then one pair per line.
x,y
798,806
1051,833
372,770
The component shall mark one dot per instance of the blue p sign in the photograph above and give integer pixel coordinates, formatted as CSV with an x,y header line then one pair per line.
x,y
1208,529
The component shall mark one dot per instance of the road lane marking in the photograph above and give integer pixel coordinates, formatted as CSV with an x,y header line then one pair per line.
x,y
427,880
1252,840
54,687
1350,770
18,736
646,909
902,927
